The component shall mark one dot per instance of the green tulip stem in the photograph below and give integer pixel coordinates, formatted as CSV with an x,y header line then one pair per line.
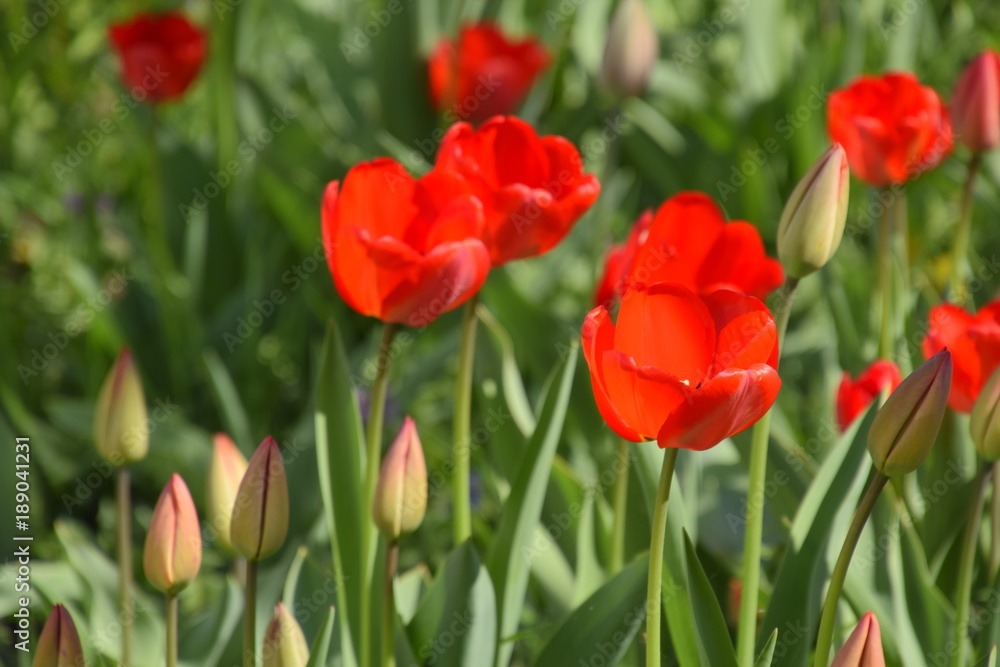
x,y
171,613
389,604
620,499
886,339
654,590
250,617
123,501
373,460
995,526
960,250
746,635
824,637
462,519
966,565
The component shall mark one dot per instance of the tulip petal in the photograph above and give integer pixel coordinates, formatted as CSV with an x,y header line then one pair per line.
x,y
642,395
678,239
739,263
949,327
597,337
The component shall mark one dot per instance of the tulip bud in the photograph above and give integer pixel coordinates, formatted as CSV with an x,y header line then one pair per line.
x,y
121,429
172,555
260,512
907,424
983,423
284,643
975,104
401,493
864,647
59,643
812,223
631,50
224,476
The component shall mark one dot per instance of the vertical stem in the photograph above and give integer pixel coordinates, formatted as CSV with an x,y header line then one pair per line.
x,y
171,613
654,589
995,526
966,565
124,502
462,520
824,637
373,439
746,635
389,604
250,617
620,499
223,69
887,338
960,251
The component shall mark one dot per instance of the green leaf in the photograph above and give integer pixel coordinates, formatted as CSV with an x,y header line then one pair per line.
x,y
456,623
321,645
992,660
605,624
228,399
765,657
511,553
709,619
340,443
510,376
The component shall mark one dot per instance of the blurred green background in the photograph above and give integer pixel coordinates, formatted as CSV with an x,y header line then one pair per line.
x,y
81,276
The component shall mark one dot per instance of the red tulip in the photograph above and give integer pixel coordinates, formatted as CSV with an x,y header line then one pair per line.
x,y
161,54
485,73
689,242
532,188
975,104
686,370
892,127
974,342
854,396
400,249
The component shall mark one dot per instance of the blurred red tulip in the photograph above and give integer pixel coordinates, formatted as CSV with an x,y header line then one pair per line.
x,y
686,370
689,242
484,74
161,54
975,104
400,249
533,188
974,342
892,127
854,396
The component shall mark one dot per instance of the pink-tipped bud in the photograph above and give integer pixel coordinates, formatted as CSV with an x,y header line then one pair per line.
x,y
906,426
284,643
401,494
975,103
224,476
864,647
121,428
172,555
631,49
59,643
260,513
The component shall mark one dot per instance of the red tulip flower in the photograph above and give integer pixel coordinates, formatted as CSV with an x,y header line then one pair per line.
x,y
975,104
400,249
855,395
974,342
892,127
684,369
484,74
161,54
533,188
688,241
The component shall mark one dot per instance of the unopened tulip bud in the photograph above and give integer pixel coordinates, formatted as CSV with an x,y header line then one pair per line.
x,y
121,428
907,425
59,643
172,555
864,647
260,512
631,50
224,476
401,494
812,223
975,104
284,643
984,423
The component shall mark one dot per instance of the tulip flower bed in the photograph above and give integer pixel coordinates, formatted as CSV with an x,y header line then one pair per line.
x,y
491,333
